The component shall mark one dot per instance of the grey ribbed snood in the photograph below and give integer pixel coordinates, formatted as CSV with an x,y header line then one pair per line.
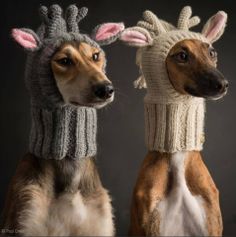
x,y
63,132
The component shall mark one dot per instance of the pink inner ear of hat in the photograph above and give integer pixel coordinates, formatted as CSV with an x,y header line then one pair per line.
x,y
25,39
134,36
217,24
108,30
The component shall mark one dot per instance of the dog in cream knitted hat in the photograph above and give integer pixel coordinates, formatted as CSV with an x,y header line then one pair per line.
x,y
174,194
174,121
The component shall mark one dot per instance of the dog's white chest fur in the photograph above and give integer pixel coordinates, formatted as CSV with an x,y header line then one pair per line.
x,y
66,213
70,214
181,213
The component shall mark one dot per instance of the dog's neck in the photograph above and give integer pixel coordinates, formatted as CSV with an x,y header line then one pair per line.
x,y
68,131
172,127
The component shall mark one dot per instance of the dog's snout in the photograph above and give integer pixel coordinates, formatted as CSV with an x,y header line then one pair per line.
x,y
221,85
103,91
214,82
208,84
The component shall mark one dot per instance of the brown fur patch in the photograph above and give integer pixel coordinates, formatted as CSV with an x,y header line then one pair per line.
x,y
154,183
78,70
81,56
151,187
200,183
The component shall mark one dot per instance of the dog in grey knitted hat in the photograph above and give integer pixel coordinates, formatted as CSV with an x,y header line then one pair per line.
x,y
175,194
56,189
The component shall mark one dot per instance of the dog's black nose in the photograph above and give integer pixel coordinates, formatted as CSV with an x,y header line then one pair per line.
x,y
104,91
218,85
221,85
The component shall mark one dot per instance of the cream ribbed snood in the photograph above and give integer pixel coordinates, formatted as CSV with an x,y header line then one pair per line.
x,y
174,127
173,122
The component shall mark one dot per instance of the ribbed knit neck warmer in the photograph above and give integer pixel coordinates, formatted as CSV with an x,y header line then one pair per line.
x,y
173,121
67,131
59,130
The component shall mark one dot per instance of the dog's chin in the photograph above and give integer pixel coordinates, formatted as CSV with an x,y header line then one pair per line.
x,y
195,93
97,104
217,97
101,104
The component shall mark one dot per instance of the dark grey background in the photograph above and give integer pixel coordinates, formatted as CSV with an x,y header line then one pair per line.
x,y
121,126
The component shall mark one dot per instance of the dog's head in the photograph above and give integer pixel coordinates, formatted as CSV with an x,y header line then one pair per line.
x,y
78,68
186,58
66,66
191,64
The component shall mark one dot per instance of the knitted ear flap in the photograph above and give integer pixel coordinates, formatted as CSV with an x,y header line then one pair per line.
x,y
136,36
26,38
107,33
215,26
139,83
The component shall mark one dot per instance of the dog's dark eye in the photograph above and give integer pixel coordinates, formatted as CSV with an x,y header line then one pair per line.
x,y
96,57
65,61
182,57
212,53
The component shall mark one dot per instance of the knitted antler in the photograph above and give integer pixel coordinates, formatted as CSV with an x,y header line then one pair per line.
x,y
74,16
43,13
52,19
185,21
152,23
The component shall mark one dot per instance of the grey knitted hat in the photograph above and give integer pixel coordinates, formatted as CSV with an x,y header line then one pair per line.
x,y
173,121
59,130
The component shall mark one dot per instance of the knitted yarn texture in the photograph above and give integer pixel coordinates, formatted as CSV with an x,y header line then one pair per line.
x,y
57,130
173,121
66,131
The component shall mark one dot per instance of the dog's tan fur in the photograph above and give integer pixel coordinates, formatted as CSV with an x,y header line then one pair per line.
x,y
181,74
155,178
76,80
200,183
154,183
62,198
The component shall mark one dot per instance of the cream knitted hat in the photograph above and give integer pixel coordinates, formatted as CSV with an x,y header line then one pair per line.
x,y
173,121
